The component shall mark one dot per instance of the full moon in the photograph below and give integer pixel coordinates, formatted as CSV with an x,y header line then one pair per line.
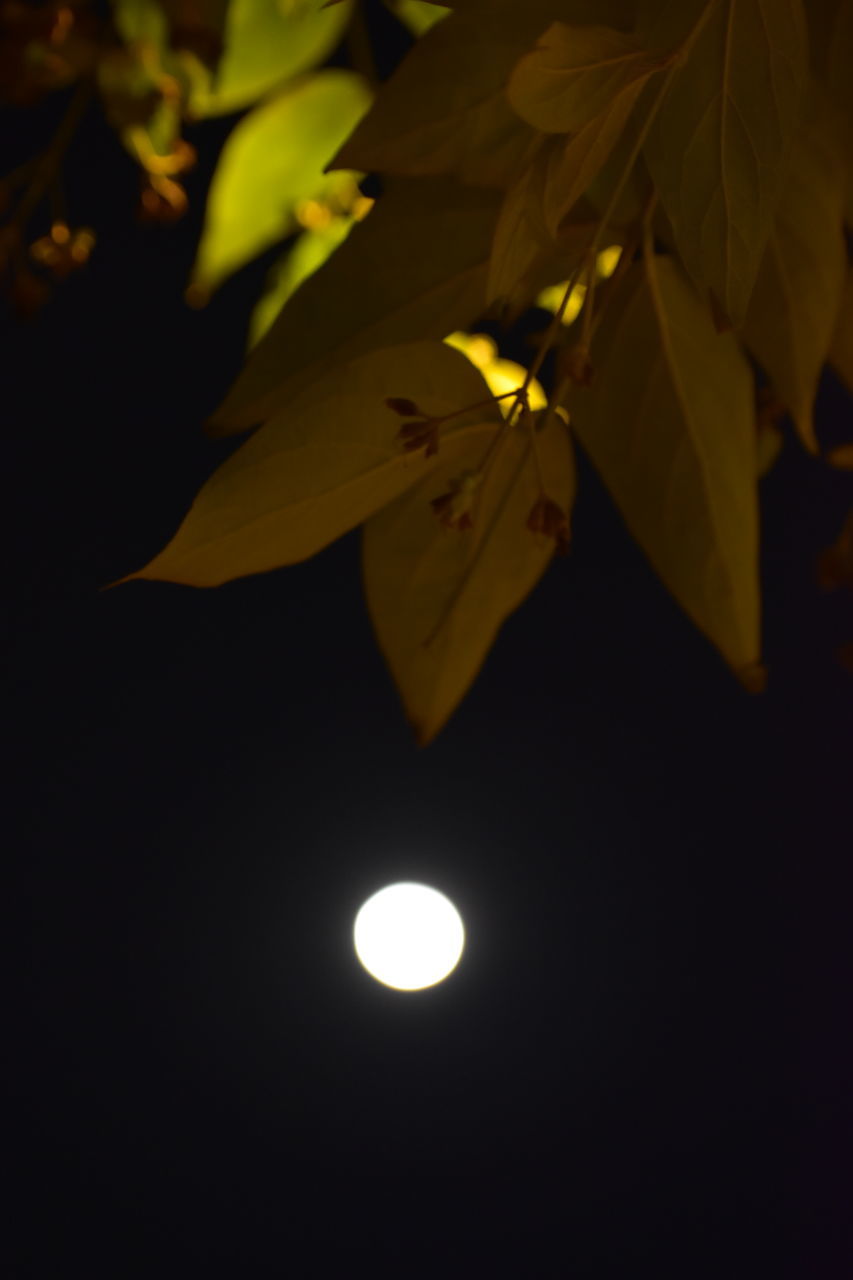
x,y
408,936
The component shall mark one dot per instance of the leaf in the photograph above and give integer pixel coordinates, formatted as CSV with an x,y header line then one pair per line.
x,y
841,349
574,75
266,43
272,160
444,111
320,467
525,246
579,160
669,422
611,13
438,596
418,15
719,144
414,268
792,311
300,261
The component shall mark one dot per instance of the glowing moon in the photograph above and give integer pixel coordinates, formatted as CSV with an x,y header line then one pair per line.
x,y
408,936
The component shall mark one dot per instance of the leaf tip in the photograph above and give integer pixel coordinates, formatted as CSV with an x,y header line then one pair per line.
x,y
753,677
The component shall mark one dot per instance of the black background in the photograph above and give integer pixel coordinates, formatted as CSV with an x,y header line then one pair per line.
x,y
643,1058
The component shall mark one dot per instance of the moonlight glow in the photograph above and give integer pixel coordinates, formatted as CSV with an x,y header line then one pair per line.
x,y
408,936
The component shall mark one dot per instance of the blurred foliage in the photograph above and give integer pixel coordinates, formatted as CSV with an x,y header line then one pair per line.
x,y
670,185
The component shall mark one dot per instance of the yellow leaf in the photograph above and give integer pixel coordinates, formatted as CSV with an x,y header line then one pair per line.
x,y
266,43
438,596
718,147
320,467
574,74
798,291
444,110
502,376
527,254
414,268
669,422
272,160
841,349
578,161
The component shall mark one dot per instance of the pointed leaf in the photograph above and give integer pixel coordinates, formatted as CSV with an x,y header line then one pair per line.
x,y
669,423
524,245
272,160
579,160
792,311
718,147
418,15
322,466
414,268
438,596
574,74
444,110
300,261
267,42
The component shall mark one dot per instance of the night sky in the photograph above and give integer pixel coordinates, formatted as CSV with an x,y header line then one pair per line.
x,y
643,1058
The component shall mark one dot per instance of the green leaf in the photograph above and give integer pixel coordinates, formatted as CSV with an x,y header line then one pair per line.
x,y
669,422
444,110
575,74
718,147
792,311
418,15
274,159
266,43
321,466
300,261
414,268
841,349
438,596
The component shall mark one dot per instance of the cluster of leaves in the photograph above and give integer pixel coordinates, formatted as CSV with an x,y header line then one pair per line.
x,y
676,179
157,66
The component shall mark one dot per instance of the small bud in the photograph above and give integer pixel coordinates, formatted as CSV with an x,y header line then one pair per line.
x,y
577,364
162,199
548,517
405,408
455,508
64,250
423,431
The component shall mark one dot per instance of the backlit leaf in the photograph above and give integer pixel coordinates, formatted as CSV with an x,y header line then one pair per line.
x,y
792,311
273,159
418,15
306,256
438,596
321,466
574,74
266,43
669,422
414,268
718,148
444,110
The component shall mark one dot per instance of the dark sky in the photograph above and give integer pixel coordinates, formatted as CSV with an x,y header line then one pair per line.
x,y
642,1060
